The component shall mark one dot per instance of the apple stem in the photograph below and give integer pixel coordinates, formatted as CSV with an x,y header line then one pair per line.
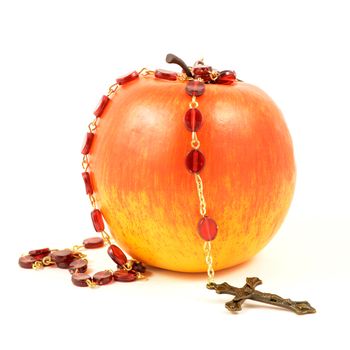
x,y
170,58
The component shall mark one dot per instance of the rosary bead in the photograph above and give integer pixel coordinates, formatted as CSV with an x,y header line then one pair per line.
x,y
97,220
202,72
165,74
195,161
64,264
117,255
103,277
62,256
87,143
195,88
124,276
79,265
127,78
79,279
39,251
226,77
39,254
207,228
101,106
193,119
138,266
26,261
93,242
87,182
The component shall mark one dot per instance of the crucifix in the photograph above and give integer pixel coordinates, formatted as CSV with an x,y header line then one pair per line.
x,y
248,292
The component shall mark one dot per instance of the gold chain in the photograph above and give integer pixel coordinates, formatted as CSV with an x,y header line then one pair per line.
x,y
209,261
113,89
145,71
195,144
202,203
91,284
92,200
85,162
106,237
93,125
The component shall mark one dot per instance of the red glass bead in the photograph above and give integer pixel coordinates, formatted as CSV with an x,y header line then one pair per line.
x,y
26,261
127,78
117,255
87,143
124,276
202,72
226,77
193,119
39,254
207,228
60,256
165,74
39,251
102,277
97,220
138,266
87,182
195,88
64,264
79,265
79,279
101,106
195,161
93,242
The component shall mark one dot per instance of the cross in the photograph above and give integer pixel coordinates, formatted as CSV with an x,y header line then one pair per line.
x,y
248,292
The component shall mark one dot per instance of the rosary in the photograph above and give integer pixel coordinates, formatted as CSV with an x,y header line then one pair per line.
x,y
75,259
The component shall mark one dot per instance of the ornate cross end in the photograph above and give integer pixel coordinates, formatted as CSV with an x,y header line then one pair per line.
x,y
248,292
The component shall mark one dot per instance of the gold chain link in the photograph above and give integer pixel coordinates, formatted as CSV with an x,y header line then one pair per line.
x,y
145,71
85,162
77,247
195,142
202,203
193,103
128,265
38,265
92,200
209,261
113,89
106,237
91,284
93,125
47,260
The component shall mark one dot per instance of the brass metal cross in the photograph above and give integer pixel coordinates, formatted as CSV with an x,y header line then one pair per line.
x,y
248,292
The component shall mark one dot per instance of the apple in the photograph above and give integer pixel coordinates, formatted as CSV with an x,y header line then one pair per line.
x,y
148,197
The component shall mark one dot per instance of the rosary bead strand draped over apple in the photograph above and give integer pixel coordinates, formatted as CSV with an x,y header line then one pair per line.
x,y
195,161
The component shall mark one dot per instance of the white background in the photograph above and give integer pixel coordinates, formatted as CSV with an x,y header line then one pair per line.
x,y
58,58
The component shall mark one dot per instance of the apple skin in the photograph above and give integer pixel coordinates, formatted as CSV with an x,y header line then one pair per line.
x,y
149,198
